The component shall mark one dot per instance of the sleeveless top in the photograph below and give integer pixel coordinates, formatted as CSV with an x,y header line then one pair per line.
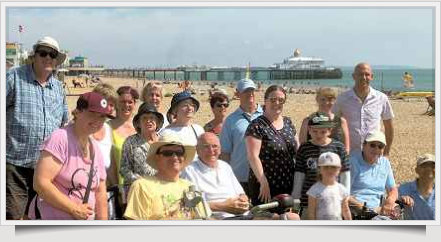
x,y
118,142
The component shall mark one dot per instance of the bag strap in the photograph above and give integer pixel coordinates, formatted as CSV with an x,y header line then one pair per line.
x,y
91,172
194,131
36,209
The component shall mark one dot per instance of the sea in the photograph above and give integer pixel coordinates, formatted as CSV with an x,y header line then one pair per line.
x,y
384,79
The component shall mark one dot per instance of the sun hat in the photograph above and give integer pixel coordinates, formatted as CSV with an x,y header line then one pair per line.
x,y
329,159
147,108
425,158
320,120
53,44
245,84
179,97
170,139
377,135
94,102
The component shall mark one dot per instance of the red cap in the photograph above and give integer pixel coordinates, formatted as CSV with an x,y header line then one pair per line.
x,y
94,102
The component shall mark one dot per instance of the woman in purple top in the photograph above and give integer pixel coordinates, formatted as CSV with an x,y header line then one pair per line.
x,y
62,173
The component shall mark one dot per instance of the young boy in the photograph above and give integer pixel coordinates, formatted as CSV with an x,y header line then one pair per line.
x,y
421,192
328,199
320,128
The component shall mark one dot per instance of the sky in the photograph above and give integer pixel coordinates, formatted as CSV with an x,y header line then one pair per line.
x,y
232,36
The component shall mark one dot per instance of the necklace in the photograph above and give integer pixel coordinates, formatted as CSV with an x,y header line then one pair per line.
x,y
84,149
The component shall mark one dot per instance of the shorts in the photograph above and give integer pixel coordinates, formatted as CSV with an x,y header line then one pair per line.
x,y
19,191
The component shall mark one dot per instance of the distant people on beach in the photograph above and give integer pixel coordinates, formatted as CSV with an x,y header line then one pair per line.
x,y
35,106
232,136
408,80
219,104
152,94
325,99
363,107
70,175
271,146
183,108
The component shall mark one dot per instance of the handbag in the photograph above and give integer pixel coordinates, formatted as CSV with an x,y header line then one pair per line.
x,y
88,188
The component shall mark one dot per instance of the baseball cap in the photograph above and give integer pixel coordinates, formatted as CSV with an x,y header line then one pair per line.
x,y
329,159
244,84
320,120
425,158
376,136
94,102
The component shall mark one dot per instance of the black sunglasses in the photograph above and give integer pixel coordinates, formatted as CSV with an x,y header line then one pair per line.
x,y
380,146
225,105
169,153
43,54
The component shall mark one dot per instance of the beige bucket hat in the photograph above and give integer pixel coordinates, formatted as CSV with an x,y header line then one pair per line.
x,y
53,44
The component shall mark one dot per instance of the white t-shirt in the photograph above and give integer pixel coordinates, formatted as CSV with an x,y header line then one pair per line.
x,y
105,145
329,200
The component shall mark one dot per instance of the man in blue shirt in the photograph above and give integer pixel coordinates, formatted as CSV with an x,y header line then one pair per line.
x,y
35,106
372,176
421,191
233,130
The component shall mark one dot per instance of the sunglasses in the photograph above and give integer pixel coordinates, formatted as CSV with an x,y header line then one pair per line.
x,y
219,105
277,99
170,153
373,146
43,54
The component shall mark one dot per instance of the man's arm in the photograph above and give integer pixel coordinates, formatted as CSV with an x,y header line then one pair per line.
x,y
389,133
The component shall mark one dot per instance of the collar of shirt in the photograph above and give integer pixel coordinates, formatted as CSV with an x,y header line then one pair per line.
x,y
50,80
372,93
239,111
203,167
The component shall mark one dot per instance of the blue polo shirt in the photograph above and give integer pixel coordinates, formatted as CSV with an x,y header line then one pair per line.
x,y
369,182
232,139
33,112
423,208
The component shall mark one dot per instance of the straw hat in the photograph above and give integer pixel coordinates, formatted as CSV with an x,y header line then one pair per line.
x,y
53,44
170,139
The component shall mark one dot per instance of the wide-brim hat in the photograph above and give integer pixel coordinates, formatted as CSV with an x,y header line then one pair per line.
x,y
53,44
179,97
320,120
170,139
144,109
94,102
377,135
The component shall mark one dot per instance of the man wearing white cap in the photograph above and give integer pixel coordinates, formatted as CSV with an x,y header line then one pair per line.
x,y
421,191
232,136
36,106
372,176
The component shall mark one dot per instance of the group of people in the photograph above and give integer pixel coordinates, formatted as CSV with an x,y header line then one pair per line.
x,y
166,166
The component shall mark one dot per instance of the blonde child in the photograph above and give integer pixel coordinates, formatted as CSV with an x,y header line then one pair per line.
x,y
328,199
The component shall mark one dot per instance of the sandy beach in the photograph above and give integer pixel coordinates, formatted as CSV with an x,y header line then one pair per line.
x,y
414,132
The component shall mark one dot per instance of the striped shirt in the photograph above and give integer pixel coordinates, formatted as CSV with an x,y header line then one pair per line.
x,y
32,113
307,160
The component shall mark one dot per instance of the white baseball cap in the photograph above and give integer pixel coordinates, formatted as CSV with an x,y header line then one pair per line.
x,y
377,135
329,159
245,84
425,158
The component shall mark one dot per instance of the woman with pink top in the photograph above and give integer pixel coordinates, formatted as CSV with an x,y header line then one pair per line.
x,y
70,177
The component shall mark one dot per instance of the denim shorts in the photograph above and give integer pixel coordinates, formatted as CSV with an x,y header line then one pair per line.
x,y
19,191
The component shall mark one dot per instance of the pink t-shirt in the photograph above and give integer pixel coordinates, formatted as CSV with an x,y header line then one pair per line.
x,y
74,174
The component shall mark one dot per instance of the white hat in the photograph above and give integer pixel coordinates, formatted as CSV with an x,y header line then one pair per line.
x,y
53,44
425,158
244,84
376,136
170,139
329,159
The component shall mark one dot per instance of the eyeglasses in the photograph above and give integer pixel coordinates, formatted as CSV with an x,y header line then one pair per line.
x,y
43,54
281,100
225,105
213,146
169,153
380,146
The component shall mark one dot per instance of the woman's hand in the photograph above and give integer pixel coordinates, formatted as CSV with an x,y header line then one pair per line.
x,y
264,194
82,211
